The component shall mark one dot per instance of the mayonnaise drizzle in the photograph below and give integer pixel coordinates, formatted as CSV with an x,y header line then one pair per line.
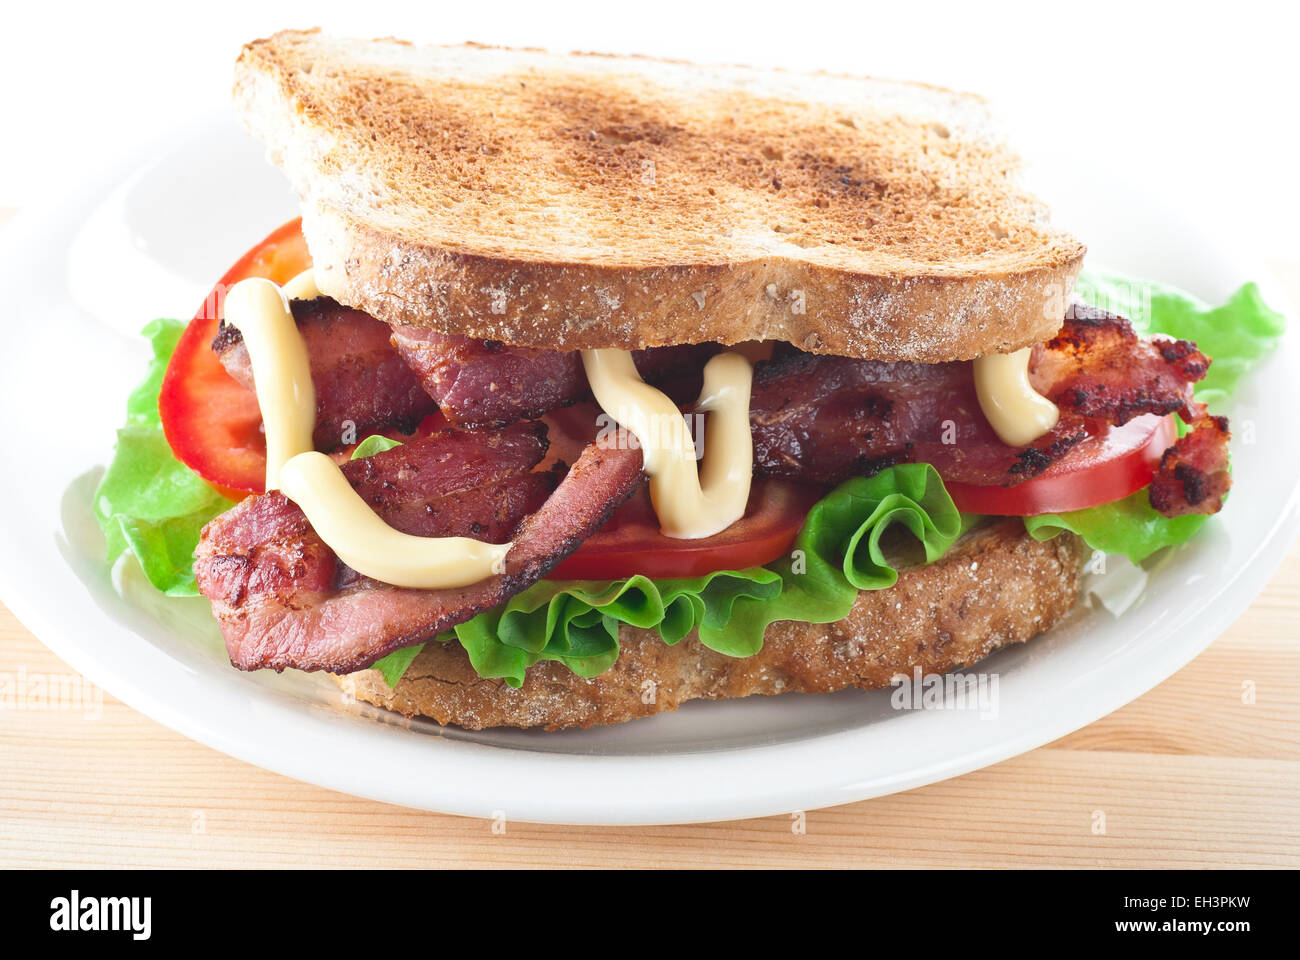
x,y
281,371
691,502
1017,412
303,286
338,514
371,547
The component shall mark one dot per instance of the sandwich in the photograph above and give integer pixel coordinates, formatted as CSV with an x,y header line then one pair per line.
x,y
586,386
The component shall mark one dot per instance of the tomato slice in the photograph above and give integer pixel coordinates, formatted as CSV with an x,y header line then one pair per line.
x,y
631,543
1099,470
211,421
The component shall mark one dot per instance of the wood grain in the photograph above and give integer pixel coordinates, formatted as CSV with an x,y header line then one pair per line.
x,y
1187,775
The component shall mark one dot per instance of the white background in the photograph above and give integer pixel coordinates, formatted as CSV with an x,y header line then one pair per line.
x,y
1198,100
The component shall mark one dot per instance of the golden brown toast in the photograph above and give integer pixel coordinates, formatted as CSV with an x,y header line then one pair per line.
x,y
576,201
997,586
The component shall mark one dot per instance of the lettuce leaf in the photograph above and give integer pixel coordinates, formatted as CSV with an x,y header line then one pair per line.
x,y
149,502
838,552
396,663
1235,335
373,444
1129,526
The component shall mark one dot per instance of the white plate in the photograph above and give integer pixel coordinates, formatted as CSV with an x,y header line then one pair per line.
x,y
81,274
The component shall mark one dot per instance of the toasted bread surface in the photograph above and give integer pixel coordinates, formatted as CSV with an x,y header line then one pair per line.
x,y
577,201
997,586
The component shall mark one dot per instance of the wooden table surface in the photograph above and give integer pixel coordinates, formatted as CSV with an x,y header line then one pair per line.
x,y
1187,775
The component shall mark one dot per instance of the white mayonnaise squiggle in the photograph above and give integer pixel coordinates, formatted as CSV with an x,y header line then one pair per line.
x,y
691,502
287,399
1017,413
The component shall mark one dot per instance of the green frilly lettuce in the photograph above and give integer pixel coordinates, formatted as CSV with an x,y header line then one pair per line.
x,y
838,552
148,501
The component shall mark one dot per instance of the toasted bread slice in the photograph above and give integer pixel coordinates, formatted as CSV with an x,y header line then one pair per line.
x,y
997,586
577,201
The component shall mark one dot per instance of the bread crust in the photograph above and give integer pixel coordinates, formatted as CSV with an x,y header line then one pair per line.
x,y
554,305
998,586
576,201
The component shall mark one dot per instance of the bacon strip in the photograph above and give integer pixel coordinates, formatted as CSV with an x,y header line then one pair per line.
x,y
825,419
1193,474
829,418
1099,369
281,602
358,375
480,382
485,383
443,485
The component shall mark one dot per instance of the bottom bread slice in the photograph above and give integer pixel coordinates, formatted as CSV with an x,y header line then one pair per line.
x,y
997,586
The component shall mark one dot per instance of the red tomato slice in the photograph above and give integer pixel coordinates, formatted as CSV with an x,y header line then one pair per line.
x,y
211,422
1100,470
631,543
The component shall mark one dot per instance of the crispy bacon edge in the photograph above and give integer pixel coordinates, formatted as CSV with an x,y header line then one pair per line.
x,y
1193,475
1103,370
1098,368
